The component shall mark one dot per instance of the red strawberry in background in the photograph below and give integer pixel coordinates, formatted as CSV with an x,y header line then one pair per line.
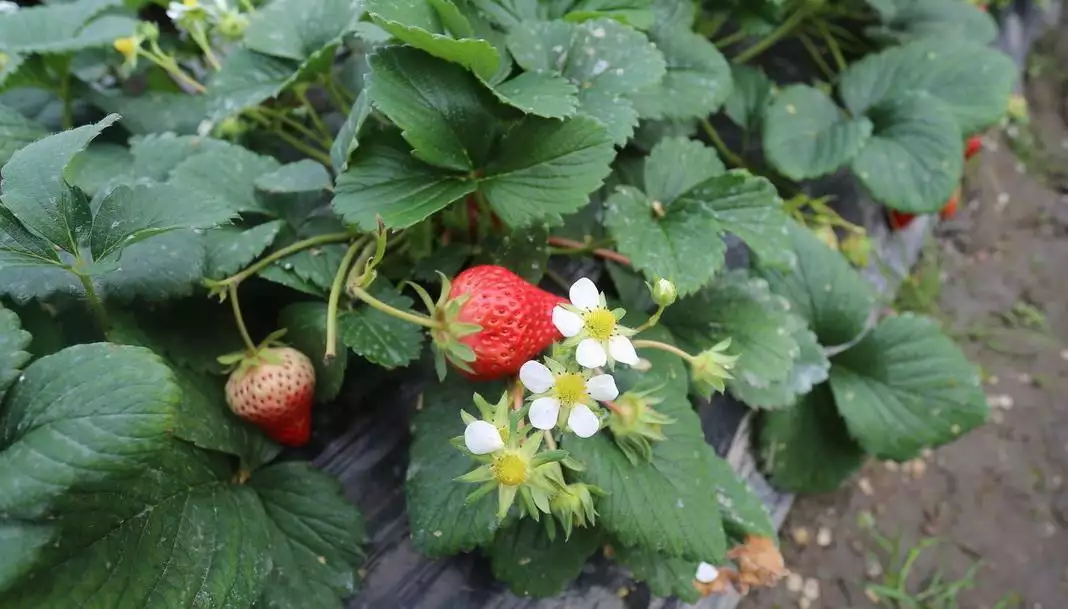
x,y
274,389
950,209
899,220
515,316
973,146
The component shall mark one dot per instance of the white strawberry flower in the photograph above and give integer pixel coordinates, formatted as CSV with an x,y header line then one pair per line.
x,y
188,12
706,573
482,438
599,336
557,390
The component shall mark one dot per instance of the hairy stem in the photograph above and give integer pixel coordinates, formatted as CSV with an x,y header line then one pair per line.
x,y
415,318
199,37
817,57
335,297
235,304
720,145
65,98
784,29
285,252
832,43
655,344
96,306
578,247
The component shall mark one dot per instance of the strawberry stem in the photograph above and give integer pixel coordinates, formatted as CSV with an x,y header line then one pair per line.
x,y
582,247
335,295
415,318
285,252
654,344
235,304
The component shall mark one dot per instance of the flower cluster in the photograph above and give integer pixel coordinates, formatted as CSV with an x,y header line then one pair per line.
x,y
192,15
573,390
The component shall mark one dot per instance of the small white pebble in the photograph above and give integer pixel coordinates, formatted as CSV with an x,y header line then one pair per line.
x,y
1064,355
706,573
992,379
794,582
1003,200
801,536
1024,378
804,603
874,569
811,591
823,537
892,466
865,486
872,596
927,453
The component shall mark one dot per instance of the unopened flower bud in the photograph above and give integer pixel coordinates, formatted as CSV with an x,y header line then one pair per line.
x,y
636,425
482,438
573,506
664,293
148,30
232,25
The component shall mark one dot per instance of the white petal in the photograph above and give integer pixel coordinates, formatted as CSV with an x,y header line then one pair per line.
x,y
602,388
568,323
544,412
584,294
582,421
482,438
590,354
536,377
622,351
706,573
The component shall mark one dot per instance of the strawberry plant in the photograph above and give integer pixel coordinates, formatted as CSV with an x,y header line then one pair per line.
x,y
568,221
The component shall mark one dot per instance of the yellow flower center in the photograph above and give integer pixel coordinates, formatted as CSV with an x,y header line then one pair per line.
x,y
126,46
510,469
570,389
191,3
600,323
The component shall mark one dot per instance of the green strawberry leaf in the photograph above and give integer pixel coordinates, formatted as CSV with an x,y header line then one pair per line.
x,y
153,112
523,557
822,288
741,308
62,28
666,233
673,485
749,98
809,368
449,118
230,249
315,537
605,60
302,176
306,322
806,135
743,512
442,523
348,137
16,131
807,448
34,194
545,168
941,20
385,180
156,155
971,79
224,173
906,387
167,266
13,344
635,13
129,215
539,93
381,338
247,78
525,252
437,27
97,168
296,29
665,576
697,81
110,481
676,246
914,159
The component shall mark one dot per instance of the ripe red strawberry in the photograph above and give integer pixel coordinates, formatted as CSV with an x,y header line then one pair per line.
x,y
274,389
972,148
950,209
899,219
515,315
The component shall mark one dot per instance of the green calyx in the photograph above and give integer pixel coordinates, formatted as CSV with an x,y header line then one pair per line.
x,y
245,360
710,368
636,425
573,506
448,330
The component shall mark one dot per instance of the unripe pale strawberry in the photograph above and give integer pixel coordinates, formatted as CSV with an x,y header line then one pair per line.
x,y
274,389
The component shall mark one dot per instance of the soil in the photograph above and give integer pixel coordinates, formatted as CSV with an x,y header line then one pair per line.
x,y
997,497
